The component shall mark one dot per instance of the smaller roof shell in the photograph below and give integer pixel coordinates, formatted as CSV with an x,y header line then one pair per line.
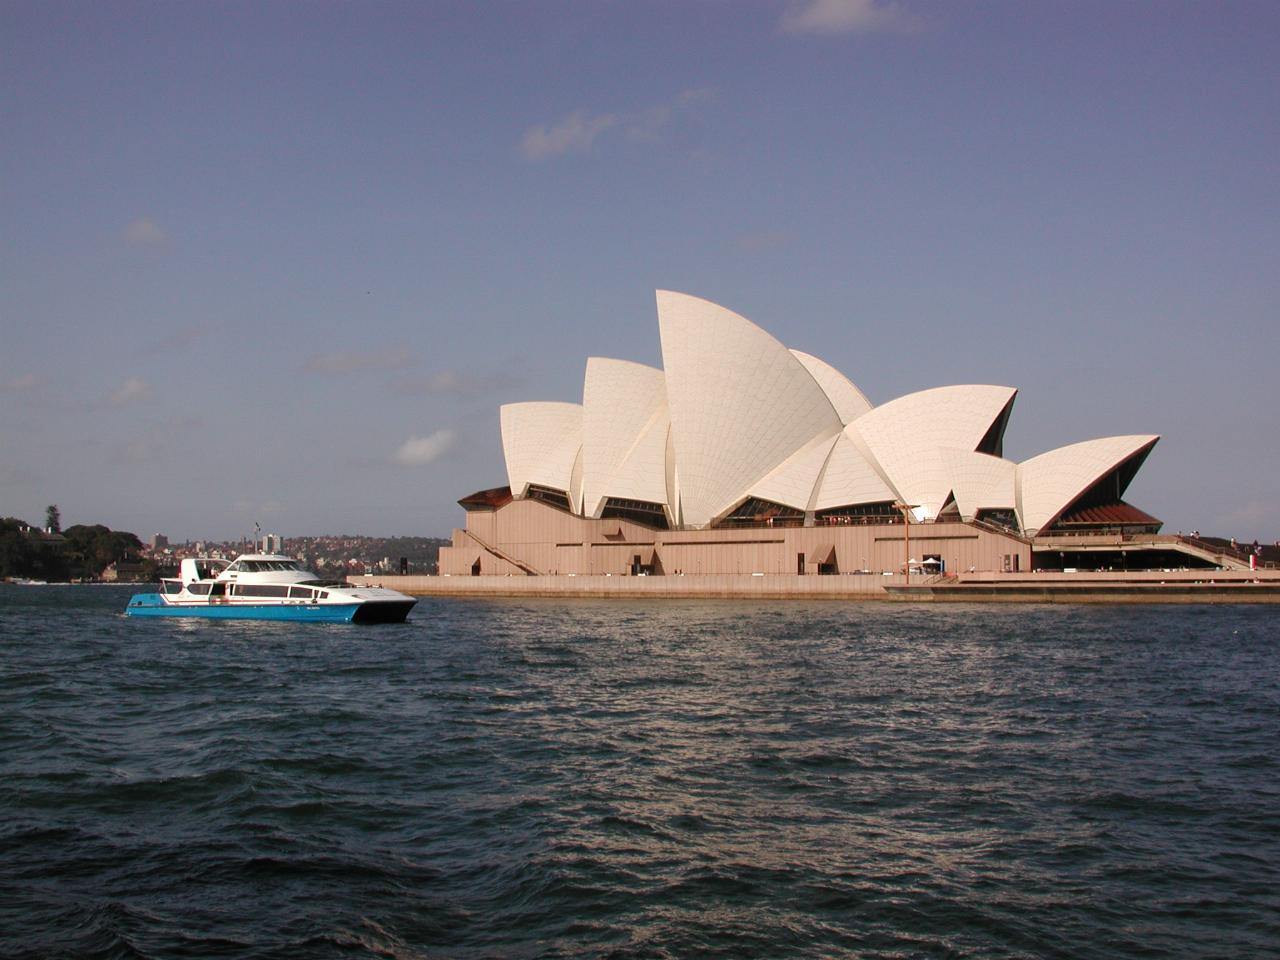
x,y
541,441
1048,484
980,481
906,436
849,402
849,478
624,433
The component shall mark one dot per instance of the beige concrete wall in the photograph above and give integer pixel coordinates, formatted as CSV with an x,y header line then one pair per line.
x,y
1219,586
866,587
553,541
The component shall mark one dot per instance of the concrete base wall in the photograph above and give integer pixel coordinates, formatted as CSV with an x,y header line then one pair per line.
x,y
526,535
858,586
1149,587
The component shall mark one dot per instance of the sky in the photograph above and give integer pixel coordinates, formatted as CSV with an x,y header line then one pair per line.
x,y
280,262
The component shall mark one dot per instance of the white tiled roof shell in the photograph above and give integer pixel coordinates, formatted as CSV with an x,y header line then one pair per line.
x,y
793,482
849,401
1046,485
541,442
906,436
980,481
740,403
850,478
624,433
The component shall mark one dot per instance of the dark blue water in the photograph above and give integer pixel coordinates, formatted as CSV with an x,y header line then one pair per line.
x,y
619,779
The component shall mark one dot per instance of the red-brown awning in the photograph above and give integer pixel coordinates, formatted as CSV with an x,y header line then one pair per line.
x,y
487,499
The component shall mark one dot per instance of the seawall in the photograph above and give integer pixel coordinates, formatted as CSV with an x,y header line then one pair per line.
x,y
1178,586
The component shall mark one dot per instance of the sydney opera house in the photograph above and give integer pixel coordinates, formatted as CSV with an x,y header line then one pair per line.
x,y
741,456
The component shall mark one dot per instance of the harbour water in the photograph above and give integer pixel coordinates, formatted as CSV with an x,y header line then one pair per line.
x,y
640,779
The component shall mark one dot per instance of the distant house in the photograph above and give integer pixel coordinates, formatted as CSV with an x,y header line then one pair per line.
x,y
47,538
124,571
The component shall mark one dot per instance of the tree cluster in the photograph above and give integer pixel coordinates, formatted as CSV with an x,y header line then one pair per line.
x,y
84,552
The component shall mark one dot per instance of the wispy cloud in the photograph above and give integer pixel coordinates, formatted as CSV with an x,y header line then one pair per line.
x,y
155,443
182,338
578,132
145,233
133,390
246,511
572,134
417,451
351,361
450,383
23,383
850,16
761,241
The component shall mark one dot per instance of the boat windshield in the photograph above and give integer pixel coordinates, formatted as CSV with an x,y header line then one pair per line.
x,y
326,583
258,566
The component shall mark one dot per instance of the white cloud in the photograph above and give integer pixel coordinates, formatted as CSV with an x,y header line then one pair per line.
x,y
20,384
247,511
350,361
850,16
417,451
579,130
144,449
132,390
574,134
182,338
762,241
145,233
451,383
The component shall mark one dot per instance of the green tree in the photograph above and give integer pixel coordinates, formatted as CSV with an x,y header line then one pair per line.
x,y
52,519
93,548
16,555
24,553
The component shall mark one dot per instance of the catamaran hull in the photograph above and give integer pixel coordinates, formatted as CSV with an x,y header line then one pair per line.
x,y
368,611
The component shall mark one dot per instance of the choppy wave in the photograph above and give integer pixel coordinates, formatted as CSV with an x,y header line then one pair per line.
x,y
625,780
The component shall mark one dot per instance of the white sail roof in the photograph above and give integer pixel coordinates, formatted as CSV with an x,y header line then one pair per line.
x,y
624,433
740,403
979,481
541,442
735,414
850,478
849,401
1047,484
906,435
794,480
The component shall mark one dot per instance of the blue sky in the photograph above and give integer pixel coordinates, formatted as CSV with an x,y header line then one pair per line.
x,y
280,262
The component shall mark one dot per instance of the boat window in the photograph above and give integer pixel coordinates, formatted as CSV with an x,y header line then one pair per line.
x,y
323,595
262,590
234,567
301,593
201,589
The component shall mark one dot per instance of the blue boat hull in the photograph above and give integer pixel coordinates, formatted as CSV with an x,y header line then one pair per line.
x,y
153,605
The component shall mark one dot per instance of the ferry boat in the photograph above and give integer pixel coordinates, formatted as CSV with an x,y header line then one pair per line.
x,y
267,586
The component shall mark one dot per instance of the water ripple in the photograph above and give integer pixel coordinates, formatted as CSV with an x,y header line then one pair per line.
x,y
614,779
